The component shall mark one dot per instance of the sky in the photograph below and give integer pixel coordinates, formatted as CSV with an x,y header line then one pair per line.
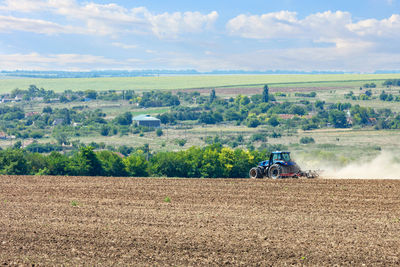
x,y
253,35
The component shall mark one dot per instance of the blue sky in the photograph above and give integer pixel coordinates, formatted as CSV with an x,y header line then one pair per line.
x,y
204,35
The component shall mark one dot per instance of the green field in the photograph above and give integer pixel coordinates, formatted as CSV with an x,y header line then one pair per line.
x,y
187,82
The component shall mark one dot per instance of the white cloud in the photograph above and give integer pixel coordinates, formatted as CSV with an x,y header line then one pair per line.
x,y
22,5
124,46
171,25
369,36
10,23
271,25
285,24
112,19
35,61
389,27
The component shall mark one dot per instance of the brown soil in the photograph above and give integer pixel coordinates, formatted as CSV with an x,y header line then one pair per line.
x,y
125,221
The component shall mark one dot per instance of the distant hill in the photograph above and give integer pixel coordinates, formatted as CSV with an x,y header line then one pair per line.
x,y
148,73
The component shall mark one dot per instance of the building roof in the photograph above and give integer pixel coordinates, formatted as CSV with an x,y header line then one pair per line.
x,y
144,117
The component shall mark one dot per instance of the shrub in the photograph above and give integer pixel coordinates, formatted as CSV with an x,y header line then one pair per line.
x,y
74,203
258,137
253,123
105,130
180,142
307,140
275,135
159,132
273,121
136,165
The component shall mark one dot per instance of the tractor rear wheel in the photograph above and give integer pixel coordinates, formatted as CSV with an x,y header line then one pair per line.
x,y
275,171
255,173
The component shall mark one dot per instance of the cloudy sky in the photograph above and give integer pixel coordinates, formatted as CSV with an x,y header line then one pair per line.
x,y
343,35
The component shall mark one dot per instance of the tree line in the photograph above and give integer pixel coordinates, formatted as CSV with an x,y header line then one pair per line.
x,y
212,161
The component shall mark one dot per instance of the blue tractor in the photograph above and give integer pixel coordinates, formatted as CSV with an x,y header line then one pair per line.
x,y
279,166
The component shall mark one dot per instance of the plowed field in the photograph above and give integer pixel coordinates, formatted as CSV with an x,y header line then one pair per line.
x,y
126,221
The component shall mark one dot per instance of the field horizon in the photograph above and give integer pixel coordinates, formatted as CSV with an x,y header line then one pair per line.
x,y
193,82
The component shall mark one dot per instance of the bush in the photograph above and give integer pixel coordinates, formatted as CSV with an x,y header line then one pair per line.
x,y
253,123
111,163
43,148
36,134
275,135
258,137
273,121
159,132
307,140
180,142
105,130
124,119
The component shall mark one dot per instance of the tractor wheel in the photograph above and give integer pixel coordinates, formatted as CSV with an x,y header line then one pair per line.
x,y
275,171
255,173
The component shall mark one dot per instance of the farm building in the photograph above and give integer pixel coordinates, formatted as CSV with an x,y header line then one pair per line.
x,y
147,121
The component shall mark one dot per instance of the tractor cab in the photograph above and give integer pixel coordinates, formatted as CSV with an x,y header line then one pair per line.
x,y
277,157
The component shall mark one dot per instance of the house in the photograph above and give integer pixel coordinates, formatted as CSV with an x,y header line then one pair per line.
x,y
3,135
147,121
8,100
57,122
372,121
286,116
30,114
26,143
291,116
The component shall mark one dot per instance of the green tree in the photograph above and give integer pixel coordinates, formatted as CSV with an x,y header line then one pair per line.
x,y
105,130
193,158
112,164
273,121
57,164
85,162
47,110
159,132
253,122
13,162
338,118
211,164
61,137
383,96
212,95
245,100
63,99
297,110
265,94
124,119
17,145
92,94
170,164
319,104
136,165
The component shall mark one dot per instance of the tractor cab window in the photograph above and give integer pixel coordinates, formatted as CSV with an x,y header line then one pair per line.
x,y
286,157
277,157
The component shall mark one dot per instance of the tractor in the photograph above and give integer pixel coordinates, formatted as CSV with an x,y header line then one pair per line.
x,y
279,166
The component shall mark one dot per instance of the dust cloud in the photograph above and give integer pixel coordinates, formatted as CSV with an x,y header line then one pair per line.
x,y
384,166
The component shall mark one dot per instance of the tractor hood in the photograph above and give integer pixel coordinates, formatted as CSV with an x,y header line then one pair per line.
x,y
285,163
